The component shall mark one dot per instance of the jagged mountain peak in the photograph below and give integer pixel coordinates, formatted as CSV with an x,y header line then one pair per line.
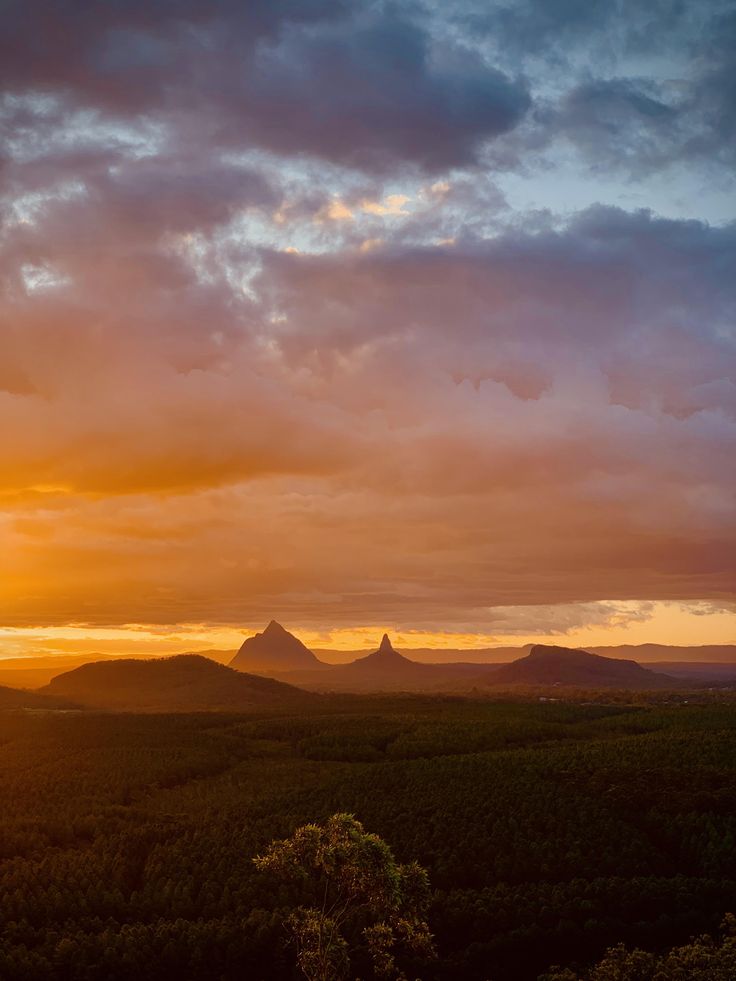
x,y
274,628
385,658
274,650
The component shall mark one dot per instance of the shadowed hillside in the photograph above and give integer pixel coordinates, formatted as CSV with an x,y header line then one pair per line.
x,y
384,669
185,683
548,665
17,698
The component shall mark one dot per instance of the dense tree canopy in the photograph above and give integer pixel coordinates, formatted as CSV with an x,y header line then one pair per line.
x,y
550,832
701,960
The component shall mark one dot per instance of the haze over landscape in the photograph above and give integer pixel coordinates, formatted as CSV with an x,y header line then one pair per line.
x,y
367,490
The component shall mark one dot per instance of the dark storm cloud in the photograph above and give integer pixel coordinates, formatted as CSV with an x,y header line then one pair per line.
x,y
132,55
552,31
638,126
363,87
714,95
635,87
378,96
618,123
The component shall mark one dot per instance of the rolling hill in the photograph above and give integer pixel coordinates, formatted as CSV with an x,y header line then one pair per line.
x,y
184,683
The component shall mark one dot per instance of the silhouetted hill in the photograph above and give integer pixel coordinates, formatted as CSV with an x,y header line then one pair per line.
x,y
385,660
706,654
548,665
184,683
274,650
384,669
480,656
16,698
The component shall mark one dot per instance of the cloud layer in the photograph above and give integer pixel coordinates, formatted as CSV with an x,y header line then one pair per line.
x,y
273,337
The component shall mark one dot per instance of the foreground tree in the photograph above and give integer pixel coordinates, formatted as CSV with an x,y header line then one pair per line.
x,y
361,900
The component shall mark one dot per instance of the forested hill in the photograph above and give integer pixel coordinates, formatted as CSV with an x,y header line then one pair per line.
x,y
184,683
550,665
18,698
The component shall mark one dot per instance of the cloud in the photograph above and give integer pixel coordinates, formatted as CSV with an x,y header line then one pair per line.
x,y
378,95
360,86
408,434
620,123
273,337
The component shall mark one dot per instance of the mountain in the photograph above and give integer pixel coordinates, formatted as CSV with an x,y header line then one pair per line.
x,y
184,683
480,656
648,653
275,650
384,669
17,698
385,660
548,665
706,654
698,672
37,670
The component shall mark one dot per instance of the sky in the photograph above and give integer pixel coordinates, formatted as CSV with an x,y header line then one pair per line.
x,y
367,316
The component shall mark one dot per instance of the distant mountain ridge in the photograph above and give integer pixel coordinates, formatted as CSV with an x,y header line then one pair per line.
x,y
706,654
276,655
704,664
183,683
386,669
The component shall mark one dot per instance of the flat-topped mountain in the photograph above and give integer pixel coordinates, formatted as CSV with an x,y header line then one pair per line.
x,y
274,650
184,683
550,665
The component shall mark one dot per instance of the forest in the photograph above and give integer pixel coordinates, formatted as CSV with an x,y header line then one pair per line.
x,y
551,832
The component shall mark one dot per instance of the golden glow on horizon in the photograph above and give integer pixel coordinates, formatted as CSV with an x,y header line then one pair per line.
x,y
666,623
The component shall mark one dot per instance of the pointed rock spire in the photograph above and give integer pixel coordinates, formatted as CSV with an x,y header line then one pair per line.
x,y
386,646
275,649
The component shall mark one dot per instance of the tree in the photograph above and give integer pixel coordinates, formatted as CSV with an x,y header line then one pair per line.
x,y
703,959
360,898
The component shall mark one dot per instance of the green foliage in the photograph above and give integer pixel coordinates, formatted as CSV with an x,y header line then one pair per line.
x,y
703,959
359,890
550,832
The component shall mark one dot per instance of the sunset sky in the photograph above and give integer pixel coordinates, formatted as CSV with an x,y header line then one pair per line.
x,y
406,316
